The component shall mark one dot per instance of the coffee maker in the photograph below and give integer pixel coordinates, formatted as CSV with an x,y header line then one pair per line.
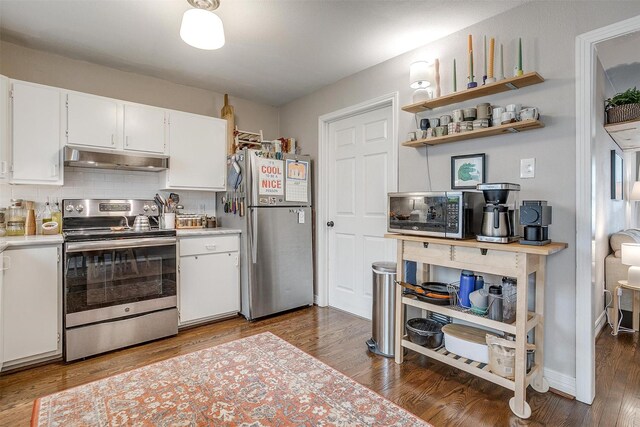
x,y
499,212
535,215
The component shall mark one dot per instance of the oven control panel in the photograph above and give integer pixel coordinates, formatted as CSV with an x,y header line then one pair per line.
x,y
115,207
85,208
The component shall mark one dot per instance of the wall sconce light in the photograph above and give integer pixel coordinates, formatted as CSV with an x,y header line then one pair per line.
x,y
419,79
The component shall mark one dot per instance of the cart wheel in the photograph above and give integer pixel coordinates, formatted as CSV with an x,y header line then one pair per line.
x,y
527,409
543,389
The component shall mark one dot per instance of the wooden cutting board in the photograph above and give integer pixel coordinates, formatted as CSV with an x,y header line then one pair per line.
x,y
228,114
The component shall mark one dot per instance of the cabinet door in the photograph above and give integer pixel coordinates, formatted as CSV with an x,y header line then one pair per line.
x,y
197,152
4,129
35,134
2,267
30,307
209,286
92,121
144,129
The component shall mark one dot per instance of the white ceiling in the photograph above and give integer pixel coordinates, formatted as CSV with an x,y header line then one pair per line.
x,y
620,58
276,50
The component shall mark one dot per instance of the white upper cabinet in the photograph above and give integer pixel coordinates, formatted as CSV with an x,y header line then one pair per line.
x,y
144,128
197,152
35,134
92,121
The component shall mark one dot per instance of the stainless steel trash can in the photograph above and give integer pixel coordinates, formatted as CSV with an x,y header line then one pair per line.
x,y
383,315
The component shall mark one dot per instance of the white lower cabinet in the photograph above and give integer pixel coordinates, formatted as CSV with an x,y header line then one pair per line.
x,y
31,307
209,278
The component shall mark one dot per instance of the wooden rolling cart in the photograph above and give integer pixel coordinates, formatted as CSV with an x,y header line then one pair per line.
x,y
513,260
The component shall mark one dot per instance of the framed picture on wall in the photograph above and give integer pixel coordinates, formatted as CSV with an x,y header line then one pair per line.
x,y
617,175
467,171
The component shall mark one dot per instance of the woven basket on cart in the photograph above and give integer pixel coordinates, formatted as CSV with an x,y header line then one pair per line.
x,y
623,113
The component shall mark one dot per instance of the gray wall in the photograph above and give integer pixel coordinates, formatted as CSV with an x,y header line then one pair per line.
x,y
548,30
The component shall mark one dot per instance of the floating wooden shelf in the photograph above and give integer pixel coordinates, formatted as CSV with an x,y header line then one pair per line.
x,y
626,134
509,128
480,91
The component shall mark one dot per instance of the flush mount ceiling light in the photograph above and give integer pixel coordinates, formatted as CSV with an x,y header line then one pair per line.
x,y
201,27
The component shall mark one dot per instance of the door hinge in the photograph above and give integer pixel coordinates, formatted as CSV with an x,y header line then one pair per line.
x,y
11,94
58,337
66,132
58,253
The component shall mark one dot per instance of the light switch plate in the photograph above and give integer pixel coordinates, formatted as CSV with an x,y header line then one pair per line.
x,y
528,168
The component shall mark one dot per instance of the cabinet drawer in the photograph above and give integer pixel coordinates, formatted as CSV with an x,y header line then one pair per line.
x,y
208,245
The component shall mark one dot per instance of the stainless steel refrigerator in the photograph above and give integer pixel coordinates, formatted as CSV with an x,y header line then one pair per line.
x,y
269,200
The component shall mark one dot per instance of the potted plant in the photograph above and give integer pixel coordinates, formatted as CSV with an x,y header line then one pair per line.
x,y
623,106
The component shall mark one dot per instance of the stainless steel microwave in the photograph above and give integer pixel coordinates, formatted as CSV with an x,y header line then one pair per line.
x,y
451,214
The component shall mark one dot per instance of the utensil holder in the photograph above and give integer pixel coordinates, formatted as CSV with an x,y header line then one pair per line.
x,y
169,221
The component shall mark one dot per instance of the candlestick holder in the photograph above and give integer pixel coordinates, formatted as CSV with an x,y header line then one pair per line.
x,y
490,80
472,84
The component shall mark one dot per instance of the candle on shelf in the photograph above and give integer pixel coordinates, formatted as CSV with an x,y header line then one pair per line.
x,y
470,44
484,51
471,83
501,76
437,69
490,78
520,72
455,81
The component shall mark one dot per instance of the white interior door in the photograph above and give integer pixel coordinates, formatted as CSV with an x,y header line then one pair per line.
x,y
360,174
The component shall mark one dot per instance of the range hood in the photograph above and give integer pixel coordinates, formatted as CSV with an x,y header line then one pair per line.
x,y
87,158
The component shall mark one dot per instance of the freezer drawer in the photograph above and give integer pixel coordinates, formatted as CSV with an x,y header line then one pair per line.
x,y
281,260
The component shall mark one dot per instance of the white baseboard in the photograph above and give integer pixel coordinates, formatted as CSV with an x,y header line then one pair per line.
x,y
561,382
315,301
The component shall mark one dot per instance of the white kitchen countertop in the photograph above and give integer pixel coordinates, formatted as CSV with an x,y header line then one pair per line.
x,y
190,232
16,241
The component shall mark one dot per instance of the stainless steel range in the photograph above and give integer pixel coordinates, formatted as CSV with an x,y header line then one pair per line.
x,y
119,276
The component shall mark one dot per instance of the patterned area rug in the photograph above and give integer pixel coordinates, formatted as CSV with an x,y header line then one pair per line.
x,y
256,381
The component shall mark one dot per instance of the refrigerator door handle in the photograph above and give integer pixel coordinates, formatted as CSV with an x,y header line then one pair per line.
x,y
253,234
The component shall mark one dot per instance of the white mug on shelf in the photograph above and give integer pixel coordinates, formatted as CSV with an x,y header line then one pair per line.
x,y
514,108
508,117
529,113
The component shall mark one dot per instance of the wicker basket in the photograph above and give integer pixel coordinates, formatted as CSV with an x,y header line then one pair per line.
x,y
623,113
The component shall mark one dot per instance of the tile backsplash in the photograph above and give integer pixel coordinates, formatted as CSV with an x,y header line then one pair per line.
x,y
81,183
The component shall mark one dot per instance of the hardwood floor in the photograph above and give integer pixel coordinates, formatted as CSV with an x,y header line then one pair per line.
x,y
435,392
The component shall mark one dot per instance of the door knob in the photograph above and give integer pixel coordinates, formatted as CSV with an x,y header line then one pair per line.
x,y
330,224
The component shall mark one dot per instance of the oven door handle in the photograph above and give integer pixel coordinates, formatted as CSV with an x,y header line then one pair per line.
x,y
106,245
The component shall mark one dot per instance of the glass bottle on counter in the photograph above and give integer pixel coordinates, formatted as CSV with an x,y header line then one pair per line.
x,y
56,215
15,218
3,224
46,213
